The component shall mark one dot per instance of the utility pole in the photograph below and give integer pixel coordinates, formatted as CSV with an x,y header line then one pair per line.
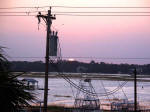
x,y
135,91
48,20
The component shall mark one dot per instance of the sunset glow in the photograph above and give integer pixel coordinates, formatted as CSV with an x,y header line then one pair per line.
x,y
97,36
71,59
76,55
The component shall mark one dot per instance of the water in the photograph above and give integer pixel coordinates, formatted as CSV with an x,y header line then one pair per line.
x,y
62,93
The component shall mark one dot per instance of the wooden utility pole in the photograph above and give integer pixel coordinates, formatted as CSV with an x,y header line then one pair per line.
x,y
135,91
48,20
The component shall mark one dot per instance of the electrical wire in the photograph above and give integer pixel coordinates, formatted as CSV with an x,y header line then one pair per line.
x,y
19,15
78,87
87,92
133,7
23,7
96,15
72,91
98,7
123,91
96,12
76,13
64,76
28,12
105,91
89,15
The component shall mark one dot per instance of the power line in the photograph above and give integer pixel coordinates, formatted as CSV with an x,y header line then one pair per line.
x,y
28,12
21,12
83,90
18,15
23,7
98,12
96,15
68,7
96,7
90,15
78,13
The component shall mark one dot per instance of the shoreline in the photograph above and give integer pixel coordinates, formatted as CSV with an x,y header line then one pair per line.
x,y
94,76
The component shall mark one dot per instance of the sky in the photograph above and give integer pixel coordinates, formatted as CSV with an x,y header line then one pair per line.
x,y
96,36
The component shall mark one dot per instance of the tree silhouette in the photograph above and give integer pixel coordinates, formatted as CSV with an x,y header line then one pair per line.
x,y
13,94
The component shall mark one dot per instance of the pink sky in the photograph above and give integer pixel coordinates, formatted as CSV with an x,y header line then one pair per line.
x,y
79,36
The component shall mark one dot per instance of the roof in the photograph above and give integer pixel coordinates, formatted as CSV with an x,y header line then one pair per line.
x,y
30,80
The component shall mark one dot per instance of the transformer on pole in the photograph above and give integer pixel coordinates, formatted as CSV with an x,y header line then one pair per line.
x,y
53,46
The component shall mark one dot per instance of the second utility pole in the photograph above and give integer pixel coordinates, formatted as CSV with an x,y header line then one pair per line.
x,y
135,90
48,19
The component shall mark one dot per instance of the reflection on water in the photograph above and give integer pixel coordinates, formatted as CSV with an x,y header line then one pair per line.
x,y
59,89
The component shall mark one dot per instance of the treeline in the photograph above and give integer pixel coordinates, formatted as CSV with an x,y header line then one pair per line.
x,y
75,66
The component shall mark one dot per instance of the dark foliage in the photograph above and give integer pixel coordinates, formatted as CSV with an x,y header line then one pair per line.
x,y
12,92
71,66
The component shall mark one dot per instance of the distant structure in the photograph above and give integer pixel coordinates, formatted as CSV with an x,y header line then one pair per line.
x,y
85,102
31,84
123,105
